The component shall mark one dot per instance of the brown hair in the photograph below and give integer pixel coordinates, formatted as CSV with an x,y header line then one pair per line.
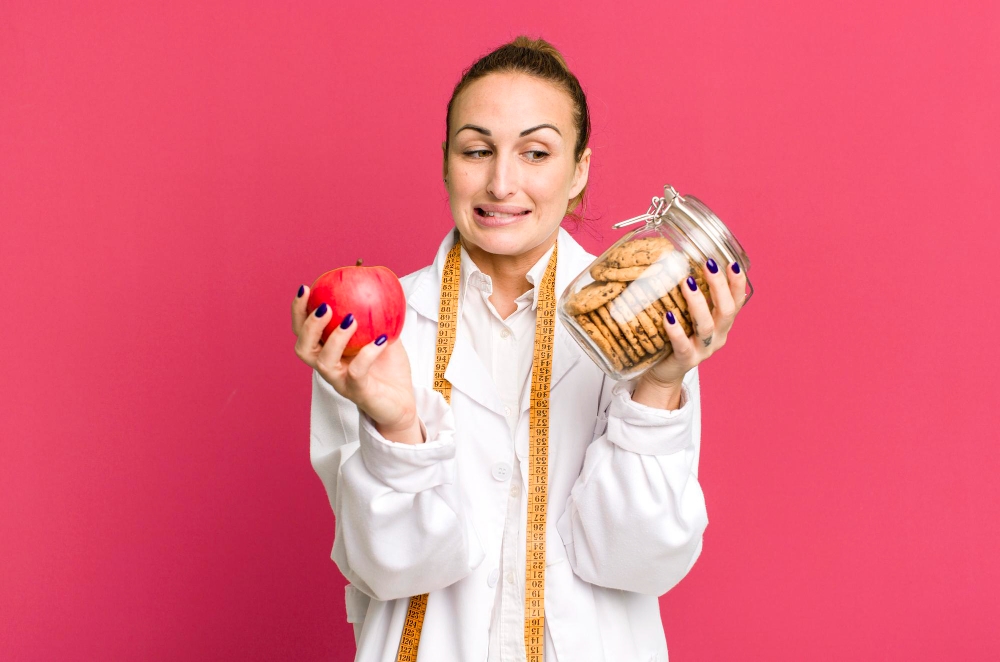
x,y
539,58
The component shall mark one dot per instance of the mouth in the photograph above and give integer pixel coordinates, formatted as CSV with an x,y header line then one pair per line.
x,y
494,215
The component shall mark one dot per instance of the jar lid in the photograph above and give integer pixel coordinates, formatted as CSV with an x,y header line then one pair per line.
x,y
690,211
710,224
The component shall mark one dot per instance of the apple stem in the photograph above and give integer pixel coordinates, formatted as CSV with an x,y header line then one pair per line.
x,y
358,264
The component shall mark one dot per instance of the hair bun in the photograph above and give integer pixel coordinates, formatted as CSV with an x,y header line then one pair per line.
x,y
540,46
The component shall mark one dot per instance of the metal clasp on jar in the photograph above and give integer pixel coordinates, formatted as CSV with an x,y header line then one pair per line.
x,y
658,209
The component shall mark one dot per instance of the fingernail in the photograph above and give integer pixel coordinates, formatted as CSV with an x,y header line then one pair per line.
x,y
736,267
347,321
302,290
670,317
321,310
381,340
712,266
691,284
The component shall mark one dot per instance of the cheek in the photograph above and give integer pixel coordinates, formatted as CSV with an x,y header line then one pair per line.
x,y
458,183
463,177
551,186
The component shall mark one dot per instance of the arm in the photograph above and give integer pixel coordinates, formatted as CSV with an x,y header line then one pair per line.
x,y
635,516
401,528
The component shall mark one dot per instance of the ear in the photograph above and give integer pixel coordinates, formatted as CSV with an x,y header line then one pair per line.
x,y
580,175
444,151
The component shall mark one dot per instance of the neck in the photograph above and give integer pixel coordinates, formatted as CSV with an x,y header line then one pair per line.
x,y
508,272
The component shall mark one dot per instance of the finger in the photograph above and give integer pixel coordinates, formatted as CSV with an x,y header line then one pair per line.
x,y
737,284
724,308
308,345
299,313
360,364
701,316
333,350
683,346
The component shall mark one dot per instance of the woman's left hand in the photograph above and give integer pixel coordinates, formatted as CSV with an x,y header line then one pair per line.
x,y
711,327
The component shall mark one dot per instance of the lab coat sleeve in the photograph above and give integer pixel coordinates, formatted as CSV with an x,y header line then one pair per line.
x,y
401,528
636,514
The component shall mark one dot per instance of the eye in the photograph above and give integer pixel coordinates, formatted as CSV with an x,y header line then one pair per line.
x,y
477,153
536,155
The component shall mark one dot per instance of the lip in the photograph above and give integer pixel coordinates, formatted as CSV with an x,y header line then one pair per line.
x,y
506,215
503,209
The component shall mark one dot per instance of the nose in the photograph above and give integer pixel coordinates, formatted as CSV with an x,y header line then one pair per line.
x,y
503,178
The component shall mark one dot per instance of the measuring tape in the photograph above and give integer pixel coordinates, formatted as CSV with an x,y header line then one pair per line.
x,y
538,452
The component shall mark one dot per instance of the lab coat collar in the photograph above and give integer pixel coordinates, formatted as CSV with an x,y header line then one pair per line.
x,y
465,371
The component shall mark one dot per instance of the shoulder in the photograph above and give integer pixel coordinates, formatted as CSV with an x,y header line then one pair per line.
x,y
411,280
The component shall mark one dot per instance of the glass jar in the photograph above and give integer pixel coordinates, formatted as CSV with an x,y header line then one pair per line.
x,y
615,309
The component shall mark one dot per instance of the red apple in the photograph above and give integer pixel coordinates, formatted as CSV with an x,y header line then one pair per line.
x,y
372,294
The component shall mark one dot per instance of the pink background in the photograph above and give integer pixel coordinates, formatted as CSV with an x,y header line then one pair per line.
x,y
170,175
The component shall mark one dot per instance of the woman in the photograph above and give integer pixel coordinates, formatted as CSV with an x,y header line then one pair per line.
x,y
430,493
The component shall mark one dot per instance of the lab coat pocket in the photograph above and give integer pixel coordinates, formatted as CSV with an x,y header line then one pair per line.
x,y
357,607
570,614
601,424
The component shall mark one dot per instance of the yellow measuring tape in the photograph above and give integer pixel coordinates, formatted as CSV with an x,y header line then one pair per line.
x,y
538,452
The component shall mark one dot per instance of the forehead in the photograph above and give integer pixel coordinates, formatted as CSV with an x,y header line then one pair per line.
x,y
513,102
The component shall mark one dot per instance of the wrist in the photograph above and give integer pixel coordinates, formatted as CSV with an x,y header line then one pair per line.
x,y
408,431
657,393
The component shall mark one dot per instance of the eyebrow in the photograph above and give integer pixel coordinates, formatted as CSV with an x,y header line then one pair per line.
x,y
540,126
487,132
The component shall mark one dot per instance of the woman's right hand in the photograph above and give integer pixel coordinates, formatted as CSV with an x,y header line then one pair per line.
x,y
377,379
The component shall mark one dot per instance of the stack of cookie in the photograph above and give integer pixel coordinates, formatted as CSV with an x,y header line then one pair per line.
x,y
623,310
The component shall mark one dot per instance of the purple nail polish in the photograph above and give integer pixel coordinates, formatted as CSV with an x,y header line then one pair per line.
x,y
670,317
347,321
691,284
381,340
321,310
712,266
302,290
736,267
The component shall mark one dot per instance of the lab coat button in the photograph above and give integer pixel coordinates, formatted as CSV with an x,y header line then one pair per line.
x,y
492,579
504,333
501,471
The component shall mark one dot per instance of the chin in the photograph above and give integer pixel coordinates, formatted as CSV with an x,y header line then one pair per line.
x,y
504,242
511,240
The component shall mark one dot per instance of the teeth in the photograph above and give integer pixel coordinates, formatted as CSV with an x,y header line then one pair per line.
x,y
501,214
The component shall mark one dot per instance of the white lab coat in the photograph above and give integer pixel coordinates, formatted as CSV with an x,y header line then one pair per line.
x,y
625,513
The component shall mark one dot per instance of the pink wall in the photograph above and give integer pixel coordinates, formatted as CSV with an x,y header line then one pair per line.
x,y
169,176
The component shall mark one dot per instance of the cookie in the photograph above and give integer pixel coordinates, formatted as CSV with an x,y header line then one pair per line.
x,y
617,333
620,321
603,271
644,320
592,297
615,347
638,252
650,361
602,343
680,316
669,300
652,307
622,314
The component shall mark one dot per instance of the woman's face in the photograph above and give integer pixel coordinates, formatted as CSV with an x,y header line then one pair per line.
x,y
510,170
